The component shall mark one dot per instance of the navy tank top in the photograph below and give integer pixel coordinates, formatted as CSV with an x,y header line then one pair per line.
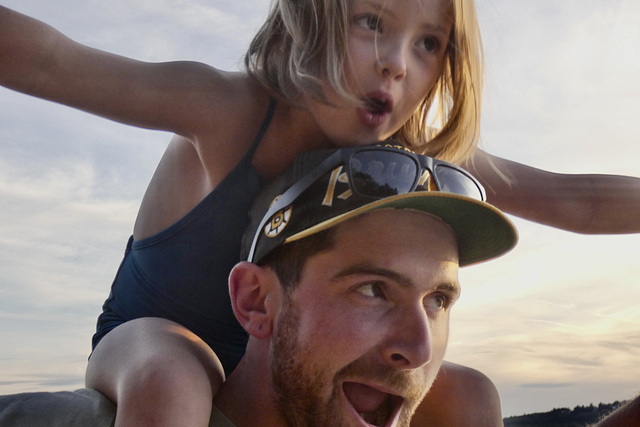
x,y
181,273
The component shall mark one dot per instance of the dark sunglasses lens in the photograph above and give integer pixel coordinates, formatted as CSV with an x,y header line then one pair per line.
x,y
453,181
382,173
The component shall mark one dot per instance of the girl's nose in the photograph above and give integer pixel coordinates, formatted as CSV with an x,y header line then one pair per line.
x,y
391,62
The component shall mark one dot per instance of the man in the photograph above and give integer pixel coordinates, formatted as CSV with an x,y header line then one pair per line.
x,y
347,291
346,295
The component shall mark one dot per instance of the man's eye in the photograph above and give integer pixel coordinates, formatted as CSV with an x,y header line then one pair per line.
x,y
438,302
373,290
369,22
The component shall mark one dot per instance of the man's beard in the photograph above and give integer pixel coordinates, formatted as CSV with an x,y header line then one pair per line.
x,y
301,387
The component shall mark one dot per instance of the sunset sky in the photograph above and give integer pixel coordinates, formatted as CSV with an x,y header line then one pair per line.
x,y
555,323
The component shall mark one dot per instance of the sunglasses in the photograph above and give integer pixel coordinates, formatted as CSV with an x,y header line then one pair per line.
x,y
377,172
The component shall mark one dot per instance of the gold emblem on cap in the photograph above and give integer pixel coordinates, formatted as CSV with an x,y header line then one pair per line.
x,y
278,222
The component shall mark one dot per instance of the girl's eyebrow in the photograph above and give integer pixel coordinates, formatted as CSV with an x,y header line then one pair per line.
x,y
385,9
381,6
401,279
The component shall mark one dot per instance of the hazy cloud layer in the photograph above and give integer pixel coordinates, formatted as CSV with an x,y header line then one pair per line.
x,y
554,323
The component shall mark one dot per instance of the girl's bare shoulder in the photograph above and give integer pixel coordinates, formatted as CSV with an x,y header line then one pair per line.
x,y
232,99
229,120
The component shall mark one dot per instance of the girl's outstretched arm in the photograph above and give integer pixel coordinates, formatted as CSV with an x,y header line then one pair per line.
x,y
589,204
38,60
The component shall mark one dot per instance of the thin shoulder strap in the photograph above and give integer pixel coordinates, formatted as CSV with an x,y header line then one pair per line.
x,y
263,128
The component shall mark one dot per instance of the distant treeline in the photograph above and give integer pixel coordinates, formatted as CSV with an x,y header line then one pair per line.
x,y
564,417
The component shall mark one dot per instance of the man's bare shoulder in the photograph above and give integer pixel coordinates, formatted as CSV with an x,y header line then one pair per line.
x,y
460,396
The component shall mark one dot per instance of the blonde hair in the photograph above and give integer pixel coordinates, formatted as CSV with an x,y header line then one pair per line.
x,y
305,41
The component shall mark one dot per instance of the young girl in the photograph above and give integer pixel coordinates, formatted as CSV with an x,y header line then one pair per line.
x,y
348,73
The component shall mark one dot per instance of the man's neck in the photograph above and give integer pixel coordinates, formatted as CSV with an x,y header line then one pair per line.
x,y
246,397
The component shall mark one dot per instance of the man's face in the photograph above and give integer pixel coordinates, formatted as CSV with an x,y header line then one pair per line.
x,y
362,336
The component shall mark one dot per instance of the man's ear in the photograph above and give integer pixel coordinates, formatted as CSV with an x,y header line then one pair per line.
x,y
253,290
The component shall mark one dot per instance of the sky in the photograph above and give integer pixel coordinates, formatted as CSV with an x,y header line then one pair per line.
x,y
554,323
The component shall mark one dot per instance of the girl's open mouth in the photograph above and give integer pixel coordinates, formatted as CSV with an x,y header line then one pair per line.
x,y
375,110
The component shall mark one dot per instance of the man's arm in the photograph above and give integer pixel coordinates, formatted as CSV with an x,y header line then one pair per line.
x,y
589,204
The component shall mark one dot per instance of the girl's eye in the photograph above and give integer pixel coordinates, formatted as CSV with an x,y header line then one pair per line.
x,y
369,22
372,290
431,44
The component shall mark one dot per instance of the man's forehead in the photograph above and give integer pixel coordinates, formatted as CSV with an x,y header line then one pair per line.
x,y
393,219
414,250
408,231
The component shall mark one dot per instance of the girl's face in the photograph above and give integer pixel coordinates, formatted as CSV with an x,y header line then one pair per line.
x,y
396,51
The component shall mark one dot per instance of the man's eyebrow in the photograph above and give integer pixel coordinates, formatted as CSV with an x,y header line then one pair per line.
x,y
449,287
401,279
366,268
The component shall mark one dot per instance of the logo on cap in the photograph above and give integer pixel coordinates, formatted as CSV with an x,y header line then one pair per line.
x,y
278,222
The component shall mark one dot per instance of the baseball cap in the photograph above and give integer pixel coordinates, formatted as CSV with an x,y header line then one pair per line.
x,y
324,188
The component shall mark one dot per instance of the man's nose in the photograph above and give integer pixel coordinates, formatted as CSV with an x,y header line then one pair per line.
x,y
409,342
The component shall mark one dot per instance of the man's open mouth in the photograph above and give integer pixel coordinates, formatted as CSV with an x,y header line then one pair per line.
x,y
374,406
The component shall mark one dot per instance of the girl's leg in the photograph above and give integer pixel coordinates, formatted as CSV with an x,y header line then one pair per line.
x,y
460,397
157,372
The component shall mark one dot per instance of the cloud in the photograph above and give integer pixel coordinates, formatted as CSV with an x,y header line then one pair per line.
x,y
560,310
561,81
547,385
553,323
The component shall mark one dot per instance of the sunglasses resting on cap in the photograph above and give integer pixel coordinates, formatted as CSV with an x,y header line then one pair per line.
x,y
326,187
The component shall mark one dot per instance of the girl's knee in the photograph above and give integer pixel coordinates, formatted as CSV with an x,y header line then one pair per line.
x,y
153,354
177,368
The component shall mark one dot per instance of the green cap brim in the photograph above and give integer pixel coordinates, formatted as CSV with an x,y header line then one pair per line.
x,y
483,232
